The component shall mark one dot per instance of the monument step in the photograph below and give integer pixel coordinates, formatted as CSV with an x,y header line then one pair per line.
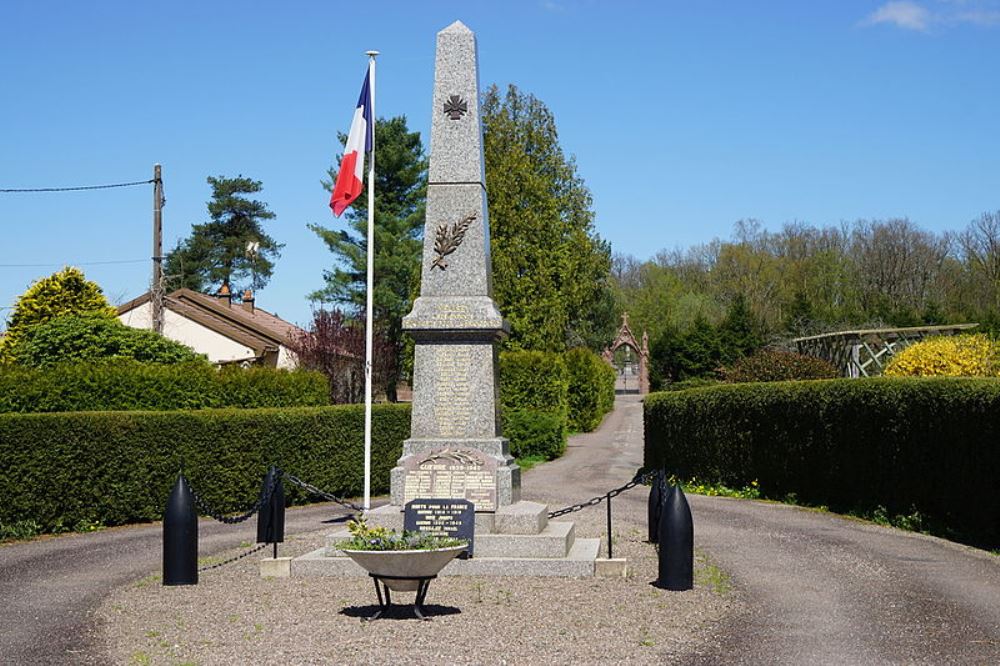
x,y
578,562
555,540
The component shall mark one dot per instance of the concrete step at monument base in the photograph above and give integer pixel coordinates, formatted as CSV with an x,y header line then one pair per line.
x,y
578,562
555,540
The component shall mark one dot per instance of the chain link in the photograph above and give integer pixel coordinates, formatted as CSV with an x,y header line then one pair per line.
x,y
594,501
248,553
308,487
221,516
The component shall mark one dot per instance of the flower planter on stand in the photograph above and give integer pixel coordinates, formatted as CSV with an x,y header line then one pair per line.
x,y
403,571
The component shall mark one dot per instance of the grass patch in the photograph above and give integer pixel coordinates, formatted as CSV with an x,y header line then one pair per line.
x,y
527,462
709,575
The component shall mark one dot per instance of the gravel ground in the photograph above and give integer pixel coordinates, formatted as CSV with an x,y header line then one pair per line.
x,y
233,616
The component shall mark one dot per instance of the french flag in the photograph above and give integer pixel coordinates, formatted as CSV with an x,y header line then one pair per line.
x,y
350,178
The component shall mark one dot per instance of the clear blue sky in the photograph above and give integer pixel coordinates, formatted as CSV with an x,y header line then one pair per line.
x,y
683,116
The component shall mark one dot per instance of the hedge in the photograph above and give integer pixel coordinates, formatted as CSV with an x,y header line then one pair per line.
x,y
591,389
925,445
534,433
533,380
130,385
118,467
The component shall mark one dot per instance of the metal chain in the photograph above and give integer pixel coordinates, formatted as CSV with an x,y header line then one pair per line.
x,y
221,516
308,487
594,501
76,189
255,549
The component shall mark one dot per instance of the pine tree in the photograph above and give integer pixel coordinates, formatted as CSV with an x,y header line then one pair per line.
x,y
400,191
230,249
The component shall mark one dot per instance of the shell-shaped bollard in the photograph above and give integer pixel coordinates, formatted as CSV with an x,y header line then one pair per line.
x,y
180,536
271,518
676,540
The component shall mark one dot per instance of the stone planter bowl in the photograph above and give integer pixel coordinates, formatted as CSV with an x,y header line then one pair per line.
x,y
402,564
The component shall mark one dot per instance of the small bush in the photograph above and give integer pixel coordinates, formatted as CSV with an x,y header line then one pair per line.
x,y
534,433
130,385
778,366
109,468
591,389
948,356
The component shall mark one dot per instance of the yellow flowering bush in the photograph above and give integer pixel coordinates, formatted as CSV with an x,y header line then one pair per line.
x,y
948,356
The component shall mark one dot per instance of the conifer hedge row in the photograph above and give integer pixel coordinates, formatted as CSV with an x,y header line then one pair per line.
x,y
924,445
131,385
118,467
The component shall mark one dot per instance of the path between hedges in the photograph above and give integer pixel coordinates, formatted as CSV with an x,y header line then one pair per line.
x,y
816,588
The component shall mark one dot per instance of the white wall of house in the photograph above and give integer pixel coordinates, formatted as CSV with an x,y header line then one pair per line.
x,y
203,340
287,359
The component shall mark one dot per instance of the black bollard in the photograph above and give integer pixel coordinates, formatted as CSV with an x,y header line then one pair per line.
x,y
676,537
180,536
271,519
655,506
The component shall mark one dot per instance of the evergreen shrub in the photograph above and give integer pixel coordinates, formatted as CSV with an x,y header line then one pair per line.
x,y
903,445
533,433
118,467
591,389
536,381
72,338
948,356
130,385
778,366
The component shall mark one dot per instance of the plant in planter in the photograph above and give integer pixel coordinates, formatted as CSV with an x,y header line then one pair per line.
x,y
403,562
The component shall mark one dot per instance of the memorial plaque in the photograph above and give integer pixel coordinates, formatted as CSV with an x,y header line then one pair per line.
x,y
452,474
453,518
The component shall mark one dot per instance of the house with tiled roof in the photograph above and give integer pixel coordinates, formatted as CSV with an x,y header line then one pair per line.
x,y
224,331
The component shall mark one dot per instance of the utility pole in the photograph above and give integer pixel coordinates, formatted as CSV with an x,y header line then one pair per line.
x,y
156,291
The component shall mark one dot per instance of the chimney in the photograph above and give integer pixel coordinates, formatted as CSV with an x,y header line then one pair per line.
x,y
224,295
248,301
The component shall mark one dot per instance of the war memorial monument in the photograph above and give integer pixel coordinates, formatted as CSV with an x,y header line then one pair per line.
x,y
456,450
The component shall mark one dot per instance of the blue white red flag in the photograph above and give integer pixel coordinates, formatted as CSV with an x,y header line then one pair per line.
x,y
350,178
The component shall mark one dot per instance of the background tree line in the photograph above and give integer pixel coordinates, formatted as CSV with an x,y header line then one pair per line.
x,y
804,280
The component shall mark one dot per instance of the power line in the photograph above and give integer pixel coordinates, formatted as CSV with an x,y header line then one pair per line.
x,y
76,189
75,263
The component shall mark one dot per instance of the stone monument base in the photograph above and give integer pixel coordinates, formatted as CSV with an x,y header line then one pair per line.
x,y
516,540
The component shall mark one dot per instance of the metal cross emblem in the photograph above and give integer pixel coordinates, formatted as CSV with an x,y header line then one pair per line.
x,y
455,107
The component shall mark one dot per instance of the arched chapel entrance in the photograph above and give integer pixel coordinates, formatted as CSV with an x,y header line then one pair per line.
x,y
630,360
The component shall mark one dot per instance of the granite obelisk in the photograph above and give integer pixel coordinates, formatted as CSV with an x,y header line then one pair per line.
x,y
455,449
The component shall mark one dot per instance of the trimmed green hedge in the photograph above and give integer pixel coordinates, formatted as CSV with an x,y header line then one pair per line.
x,y
591,392
130,385
534,434
926,445
118,467
536,381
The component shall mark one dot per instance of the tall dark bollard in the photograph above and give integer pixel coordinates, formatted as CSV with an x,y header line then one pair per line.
x,y
271,519
180,536
655,506
676,539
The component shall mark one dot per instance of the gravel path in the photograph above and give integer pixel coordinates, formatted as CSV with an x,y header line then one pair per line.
x,y
233,616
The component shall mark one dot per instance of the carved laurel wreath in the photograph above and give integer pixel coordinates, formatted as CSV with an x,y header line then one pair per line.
x,y
448,455
447,239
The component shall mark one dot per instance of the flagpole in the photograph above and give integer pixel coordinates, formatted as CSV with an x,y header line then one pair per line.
x,y
369,324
